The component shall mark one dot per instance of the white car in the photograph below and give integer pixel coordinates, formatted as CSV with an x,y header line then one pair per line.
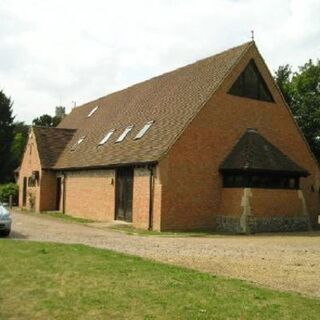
x,y
5,221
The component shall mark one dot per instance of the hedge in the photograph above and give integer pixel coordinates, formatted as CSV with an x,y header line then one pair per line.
x,y
9,189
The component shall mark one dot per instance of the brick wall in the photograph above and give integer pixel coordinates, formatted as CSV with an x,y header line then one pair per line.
x,y
30,162
90,194
191,182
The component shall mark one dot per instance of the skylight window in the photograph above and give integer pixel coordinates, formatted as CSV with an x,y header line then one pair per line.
x,y
77,143
106,137
93,111
143,131
124,133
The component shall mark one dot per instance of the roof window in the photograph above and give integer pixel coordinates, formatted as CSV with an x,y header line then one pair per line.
x,y
77,143
124,133
93,111
143,131
106,137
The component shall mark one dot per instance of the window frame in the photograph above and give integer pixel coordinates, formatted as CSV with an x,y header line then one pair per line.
x,y
124,134
240,89
261,180
146,127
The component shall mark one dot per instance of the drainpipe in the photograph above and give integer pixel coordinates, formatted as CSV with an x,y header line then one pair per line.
x,y
151,196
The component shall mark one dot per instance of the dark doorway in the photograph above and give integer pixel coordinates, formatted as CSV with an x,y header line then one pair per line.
x,y
124,190
58,194
24,192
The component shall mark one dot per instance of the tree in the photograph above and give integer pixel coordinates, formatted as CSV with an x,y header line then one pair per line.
x,y
18,144
46,121
6,136
301,90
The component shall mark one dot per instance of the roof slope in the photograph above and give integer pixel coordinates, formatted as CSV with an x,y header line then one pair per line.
x,y
50,143
254,153
172,100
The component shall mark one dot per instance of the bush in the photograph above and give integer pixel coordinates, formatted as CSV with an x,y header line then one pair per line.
x,y
9,189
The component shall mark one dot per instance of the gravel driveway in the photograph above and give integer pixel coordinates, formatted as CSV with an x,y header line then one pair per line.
x,y
282,261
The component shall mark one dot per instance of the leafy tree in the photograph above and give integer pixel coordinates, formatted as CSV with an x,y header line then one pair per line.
x,y
18,144
46,121
301,90
6,136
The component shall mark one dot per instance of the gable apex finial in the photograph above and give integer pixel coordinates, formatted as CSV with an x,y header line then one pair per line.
x,y
252,35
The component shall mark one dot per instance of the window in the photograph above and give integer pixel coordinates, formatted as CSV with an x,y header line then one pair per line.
x,y
93,111
261,180
250,84
143,131
106,137
124,133
77,143
31,182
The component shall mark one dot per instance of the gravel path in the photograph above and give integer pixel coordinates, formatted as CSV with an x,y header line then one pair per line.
x,y
283,261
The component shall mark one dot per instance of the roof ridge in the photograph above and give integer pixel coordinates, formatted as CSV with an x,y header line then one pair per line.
x,y
45,127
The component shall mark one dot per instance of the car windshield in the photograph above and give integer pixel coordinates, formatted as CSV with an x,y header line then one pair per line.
x,y
3,210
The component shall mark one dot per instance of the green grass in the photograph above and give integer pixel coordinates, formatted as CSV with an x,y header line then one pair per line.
x,y
55,281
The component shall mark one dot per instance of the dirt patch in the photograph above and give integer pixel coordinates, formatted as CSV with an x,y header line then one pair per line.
x,y
283,261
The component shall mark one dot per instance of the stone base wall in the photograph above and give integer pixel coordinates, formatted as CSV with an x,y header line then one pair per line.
x,y
270,224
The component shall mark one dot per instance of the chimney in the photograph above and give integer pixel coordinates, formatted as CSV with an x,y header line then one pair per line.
x,y
60,112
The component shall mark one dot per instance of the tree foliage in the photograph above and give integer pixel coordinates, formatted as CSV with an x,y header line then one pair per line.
x,y
46,121
6,137
301,91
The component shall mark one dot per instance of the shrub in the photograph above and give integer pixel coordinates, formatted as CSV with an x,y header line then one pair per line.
x,y
6,190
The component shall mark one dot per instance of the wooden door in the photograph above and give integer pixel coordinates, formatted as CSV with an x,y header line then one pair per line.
x,y
58,194
24,192
124,191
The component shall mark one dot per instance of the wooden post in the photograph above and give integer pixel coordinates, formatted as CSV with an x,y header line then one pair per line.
x,y
10,201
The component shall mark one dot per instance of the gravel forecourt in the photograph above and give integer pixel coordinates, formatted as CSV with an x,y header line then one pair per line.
x,y
289,262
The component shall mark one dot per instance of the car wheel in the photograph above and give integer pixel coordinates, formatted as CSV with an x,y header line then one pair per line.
x,y
5,233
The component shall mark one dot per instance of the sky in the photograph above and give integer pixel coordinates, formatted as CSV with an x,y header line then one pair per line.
x,y
64,52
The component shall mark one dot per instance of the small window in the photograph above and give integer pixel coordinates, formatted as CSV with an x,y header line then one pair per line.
x,y
262,180
124,133
251,84
93,111
31,182
77,143
143,131
106,137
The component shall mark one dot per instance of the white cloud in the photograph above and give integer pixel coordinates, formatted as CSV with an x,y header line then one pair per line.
x,y
80,50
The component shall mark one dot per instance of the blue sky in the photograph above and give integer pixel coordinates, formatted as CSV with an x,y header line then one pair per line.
x,y
64,51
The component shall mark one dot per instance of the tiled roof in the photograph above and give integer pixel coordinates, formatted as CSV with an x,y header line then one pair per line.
x,y
50,143
254,153
171,100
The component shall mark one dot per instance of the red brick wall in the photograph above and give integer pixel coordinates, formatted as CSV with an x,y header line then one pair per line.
x,y
141,194
190,179
30,162
273,203
90,194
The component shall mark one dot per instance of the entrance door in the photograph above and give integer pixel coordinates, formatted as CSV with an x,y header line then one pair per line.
x,y
124,190
58,194
24,192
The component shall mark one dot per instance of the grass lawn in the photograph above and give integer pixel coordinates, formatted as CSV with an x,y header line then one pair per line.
x,y
55,281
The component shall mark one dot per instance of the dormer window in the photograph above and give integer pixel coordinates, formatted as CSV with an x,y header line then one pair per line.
x,y
93,111
143,131
124,133
77,143
106,137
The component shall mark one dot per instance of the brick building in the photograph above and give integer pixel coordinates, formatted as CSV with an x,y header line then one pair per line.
x,y
211,145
